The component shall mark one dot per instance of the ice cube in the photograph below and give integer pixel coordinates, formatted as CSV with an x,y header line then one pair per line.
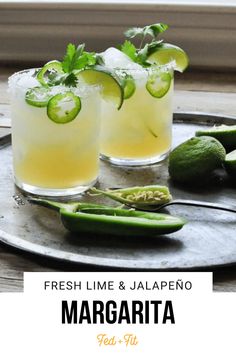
x,y
115,59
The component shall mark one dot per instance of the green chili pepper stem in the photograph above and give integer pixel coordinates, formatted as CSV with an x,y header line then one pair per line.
x,y
70,207
55,205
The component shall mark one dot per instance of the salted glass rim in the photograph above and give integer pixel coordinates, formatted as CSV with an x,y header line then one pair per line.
x,y
84,89
152,68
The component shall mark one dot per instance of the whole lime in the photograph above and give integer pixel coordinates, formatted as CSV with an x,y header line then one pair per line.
x,y
196,159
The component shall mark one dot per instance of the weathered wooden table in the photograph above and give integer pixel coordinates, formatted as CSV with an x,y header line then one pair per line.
x,y
206,92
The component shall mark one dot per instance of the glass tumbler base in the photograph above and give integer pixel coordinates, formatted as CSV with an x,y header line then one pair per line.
x,y
134,162
51,192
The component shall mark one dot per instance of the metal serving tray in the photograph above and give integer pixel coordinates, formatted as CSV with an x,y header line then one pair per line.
x,y
209,238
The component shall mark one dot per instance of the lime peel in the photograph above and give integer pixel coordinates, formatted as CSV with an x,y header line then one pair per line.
x,y
111,89
194,160
166,53
226,134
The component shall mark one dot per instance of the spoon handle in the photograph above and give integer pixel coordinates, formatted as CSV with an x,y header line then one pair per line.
x,y
197,203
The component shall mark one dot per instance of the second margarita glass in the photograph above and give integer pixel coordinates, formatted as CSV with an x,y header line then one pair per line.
x,y
140,133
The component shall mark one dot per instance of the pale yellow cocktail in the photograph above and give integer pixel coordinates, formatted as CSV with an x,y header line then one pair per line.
x,y
49,158
141,131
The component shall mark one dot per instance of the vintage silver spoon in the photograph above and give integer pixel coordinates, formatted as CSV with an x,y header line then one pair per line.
x,y
194,203
156,207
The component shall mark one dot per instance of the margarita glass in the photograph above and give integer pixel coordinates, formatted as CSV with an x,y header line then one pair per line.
x,y
141,131
49,158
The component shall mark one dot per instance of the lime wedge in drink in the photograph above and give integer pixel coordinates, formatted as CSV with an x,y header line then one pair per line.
x,y
63,108
167,53
111,89
226,134
38,96
49,72
158,84
230,163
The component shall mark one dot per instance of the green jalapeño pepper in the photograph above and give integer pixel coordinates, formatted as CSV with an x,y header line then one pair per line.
x,y
137,196
88,218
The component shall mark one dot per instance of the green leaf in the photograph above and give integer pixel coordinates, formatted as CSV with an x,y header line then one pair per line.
x,y
133,32
72,55
148,31
77,58
81,62
157,28
142,55
155,44
129,49
91,58
152,47
70,80
99,60
79,50
151,30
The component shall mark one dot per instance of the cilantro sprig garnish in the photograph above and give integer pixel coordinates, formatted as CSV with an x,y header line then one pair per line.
x,y
70,80
77,58
149,42
64,72
152,30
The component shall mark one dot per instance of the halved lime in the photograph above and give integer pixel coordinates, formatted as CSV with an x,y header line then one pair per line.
x,y
158,84
230,163
38,96
167,53
111,89
129,87
226,134
63,107
49,72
